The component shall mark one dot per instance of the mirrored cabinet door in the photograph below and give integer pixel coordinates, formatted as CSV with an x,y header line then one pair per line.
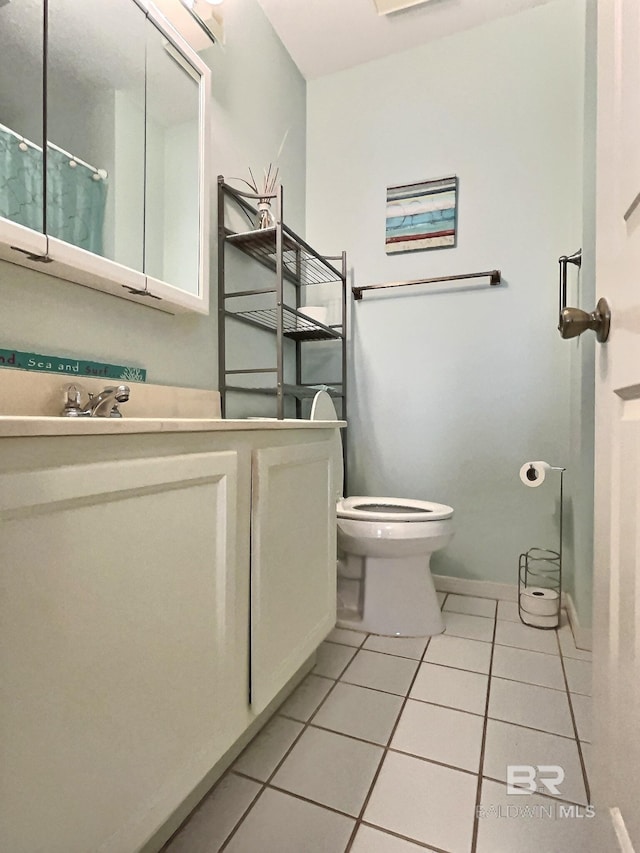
x,y
22,121
172,210
95,169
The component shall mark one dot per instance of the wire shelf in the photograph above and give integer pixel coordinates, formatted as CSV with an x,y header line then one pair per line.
x,y
540,569
302,266
296,326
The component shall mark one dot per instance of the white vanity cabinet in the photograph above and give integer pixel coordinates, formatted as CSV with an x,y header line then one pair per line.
x,y
134,568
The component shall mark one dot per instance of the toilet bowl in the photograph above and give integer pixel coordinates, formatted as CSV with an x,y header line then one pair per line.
x,y
385,545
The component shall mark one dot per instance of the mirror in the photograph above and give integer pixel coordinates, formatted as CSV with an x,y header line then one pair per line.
x,y
21,119
173,182
96,127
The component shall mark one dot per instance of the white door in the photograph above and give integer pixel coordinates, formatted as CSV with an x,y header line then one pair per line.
x,y
617,513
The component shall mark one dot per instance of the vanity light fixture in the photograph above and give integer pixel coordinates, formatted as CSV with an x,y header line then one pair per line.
x,y
387,7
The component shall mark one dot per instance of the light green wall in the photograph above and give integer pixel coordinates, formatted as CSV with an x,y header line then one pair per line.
x,y
452,391
257,94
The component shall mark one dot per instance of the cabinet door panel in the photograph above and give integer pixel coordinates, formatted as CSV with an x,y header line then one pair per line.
x,y
293,563
114,579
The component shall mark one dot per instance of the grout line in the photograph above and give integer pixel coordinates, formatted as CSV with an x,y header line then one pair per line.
x,y
585,777
305,726
385,752
395,834
304,799
376,652
476,822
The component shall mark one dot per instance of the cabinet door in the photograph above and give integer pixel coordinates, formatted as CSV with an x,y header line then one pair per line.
x,y
175,206
114,585
21,125
293,563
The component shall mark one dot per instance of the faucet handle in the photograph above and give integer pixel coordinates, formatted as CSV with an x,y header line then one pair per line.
x,y
73,400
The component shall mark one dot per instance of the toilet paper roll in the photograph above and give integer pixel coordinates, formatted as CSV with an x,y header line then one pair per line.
x,y
537,601
540,621
532,474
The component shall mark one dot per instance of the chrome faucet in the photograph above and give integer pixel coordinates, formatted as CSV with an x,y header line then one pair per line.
x,y
102,405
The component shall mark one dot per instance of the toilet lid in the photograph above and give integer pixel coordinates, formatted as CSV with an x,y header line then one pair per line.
x,y
322,409
363,508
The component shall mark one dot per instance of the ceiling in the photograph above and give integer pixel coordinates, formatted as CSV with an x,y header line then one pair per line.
x,y
324,36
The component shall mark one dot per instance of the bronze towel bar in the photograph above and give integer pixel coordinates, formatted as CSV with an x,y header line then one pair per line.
x,y
494,277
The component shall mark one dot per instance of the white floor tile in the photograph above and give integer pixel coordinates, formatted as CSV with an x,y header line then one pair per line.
x,y
530,705
404,647
470,605
424,801
440,734
330,769
453,687
360,712
578,676
370,840
347,637
331,659
279,823
381,672
267,749
582,712
441,597
523,637
459,653
508,611
531,667
568,646
521,824
216,816
471,627
507,744
306,697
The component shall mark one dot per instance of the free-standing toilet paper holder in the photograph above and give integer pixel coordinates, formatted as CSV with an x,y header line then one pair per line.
x,y
540,579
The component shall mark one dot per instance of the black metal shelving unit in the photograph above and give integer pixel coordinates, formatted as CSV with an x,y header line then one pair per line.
x,y
292,260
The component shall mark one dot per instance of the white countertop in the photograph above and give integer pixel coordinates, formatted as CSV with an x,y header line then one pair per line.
x,y
13,426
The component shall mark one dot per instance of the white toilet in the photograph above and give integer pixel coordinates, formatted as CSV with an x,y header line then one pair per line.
x,y
384,550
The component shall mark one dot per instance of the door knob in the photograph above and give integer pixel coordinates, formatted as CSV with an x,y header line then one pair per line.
x,y
575,321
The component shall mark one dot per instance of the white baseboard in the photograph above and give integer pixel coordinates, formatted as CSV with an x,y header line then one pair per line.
x,y
509,592
480,589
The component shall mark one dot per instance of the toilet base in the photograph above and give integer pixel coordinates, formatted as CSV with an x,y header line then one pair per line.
x,y
395,597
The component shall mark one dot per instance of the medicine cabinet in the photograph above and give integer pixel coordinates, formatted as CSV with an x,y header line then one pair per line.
x,y
103,150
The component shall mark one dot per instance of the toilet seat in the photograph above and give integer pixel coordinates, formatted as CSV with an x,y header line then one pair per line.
x,y
364,508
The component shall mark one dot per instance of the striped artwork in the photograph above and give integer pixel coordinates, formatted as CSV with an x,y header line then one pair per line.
x,y
422,216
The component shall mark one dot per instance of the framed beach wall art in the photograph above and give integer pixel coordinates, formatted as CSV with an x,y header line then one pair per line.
x,y
421,216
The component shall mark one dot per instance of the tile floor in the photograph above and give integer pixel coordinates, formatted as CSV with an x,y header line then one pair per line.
x,y
401,745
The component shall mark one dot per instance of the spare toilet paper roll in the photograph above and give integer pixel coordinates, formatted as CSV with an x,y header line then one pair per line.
x,y
540,621
533,473
537,601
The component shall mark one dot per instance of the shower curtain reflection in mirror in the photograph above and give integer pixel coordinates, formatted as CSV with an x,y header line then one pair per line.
x,y
76,193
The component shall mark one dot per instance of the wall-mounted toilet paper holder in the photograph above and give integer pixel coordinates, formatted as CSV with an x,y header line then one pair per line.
x,y
540,573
